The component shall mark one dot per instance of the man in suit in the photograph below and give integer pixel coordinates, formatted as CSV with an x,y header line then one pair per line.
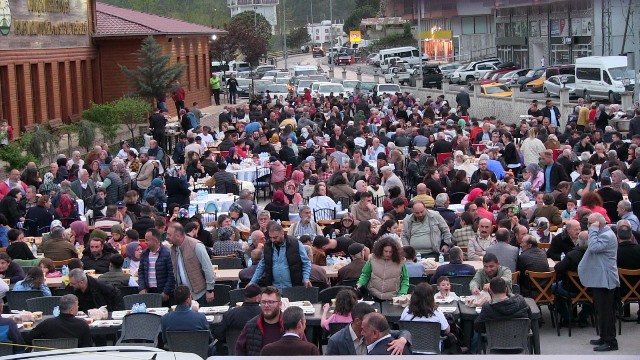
x,y
291,343
598,270
349,340
553,172
507,255
375,331
83,187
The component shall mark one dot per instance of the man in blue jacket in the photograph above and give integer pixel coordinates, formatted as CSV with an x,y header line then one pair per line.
x,y
155,274
183,318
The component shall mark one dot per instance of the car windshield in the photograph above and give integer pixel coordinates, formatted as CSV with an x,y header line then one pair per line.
x,y
305,83
539,72
496,89
618,73
282,80
330,88
367,85
270,73
243,82
389,88
261,86
278,88
318,78
306,72
350,83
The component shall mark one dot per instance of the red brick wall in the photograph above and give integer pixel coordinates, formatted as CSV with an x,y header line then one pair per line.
x,y
188,50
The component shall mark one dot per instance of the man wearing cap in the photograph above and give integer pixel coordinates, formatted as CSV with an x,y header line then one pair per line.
x,y
236,318
359,255
57,248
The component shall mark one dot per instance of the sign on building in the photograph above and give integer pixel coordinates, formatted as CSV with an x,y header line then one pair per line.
x,y
355,36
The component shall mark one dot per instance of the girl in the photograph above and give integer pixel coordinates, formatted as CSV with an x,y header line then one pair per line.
x,y
48,269
345,301
34,280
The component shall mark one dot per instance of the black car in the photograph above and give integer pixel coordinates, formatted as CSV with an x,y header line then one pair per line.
x,y
318,52
431,76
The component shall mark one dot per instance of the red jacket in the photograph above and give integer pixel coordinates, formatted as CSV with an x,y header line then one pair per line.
x,y
4,188
178,95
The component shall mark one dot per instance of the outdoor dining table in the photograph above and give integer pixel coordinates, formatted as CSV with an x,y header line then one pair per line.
x,y
248,173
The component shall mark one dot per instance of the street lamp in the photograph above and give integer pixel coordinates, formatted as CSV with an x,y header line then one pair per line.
x,y
563,81
626,82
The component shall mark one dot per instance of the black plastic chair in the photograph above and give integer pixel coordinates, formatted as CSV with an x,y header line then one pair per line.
x,y
464,281
335,327
301,293
150,300
51,344
324,214
418,280
128,290
510,336
426,336
349,282
140,329
221,295
326,295
263,182
236,296
195,342
44,304
18,299
227,262
231,338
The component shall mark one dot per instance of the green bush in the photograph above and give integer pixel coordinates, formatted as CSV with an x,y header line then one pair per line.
x,y
14,153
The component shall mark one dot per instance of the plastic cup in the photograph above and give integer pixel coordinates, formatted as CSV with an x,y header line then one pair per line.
x,y
27,324
37,315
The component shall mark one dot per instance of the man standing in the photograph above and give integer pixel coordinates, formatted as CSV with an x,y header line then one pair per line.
x,y
426,231
232,85
157,122
506,254
350,340
490,269
291,343
183,318
191,264
91,293
178,96
598,270
364,209
155,273
64,326
214,82
284,262
463,100
551,112
554,172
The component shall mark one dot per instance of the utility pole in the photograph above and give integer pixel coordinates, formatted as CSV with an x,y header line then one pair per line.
x,y
313,34
331,18
284,33
419,40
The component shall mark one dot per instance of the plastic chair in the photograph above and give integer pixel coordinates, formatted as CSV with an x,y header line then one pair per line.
x,y
18,299
418,280
263,182
195,342
141,329
150,300
227,262
231,338
508,335
6,349
221,295
426,336
633,293
325,296
301,293
324,214
464,281
441,157
211,208
236,296
51,344
544,295
44,304
128,290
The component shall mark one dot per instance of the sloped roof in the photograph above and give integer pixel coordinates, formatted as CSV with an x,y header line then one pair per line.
x,y
383,21
116,21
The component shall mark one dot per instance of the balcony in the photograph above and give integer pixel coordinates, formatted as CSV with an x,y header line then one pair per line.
x,y
251,2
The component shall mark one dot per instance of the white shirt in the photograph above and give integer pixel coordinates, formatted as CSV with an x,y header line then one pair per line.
x,y
370,347
358,342
206,139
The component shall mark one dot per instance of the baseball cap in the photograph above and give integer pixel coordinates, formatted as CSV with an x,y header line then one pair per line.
x,y
56,223
121,204
355,248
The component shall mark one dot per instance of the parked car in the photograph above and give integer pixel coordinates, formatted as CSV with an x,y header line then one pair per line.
x,y
327,88
400,74
511,77
535,85
373,59
496,89
365,87
473,69
303,84
318,52
260,70
391,89
446,69
432,76
244,87
350,85
530,76
553,85
494,75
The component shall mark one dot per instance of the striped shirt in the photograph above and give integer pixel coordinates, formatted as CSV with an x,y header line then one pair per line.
x,y
153,257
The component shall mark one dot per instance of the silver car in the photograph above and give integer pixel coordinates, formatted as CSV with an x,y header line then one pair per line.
x,y
552,85
350,85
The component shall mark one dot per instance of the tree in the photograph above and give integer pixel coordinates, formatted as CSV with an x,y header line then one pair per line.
x,y
42,143
298,37
224,47
132,112
353,21
104,117
154,77
252,34
86,134
69,129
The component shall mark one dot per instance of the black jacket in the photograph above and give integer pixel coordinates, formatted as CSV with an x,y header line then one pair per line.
x,y
20,250
236,319
570,263
441,146
557,175
546,112
511,308
628,255
611,199
566,163
177,192
560,243
10,208
463,99
98,294
99,264
143,224
634,127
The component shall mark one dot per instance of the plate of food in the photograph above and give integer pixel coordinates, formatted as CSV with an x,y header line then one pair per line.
x,y
447,309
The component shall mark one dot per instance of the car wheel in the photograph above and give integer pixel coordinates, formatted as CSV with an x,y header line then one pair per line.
x,y
587,97
612,97
546,93
469,79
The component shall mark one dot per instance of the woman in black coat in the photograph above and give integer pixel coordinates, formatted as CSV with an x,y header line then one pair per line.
x,y
177,187
9,207
10,269
40,214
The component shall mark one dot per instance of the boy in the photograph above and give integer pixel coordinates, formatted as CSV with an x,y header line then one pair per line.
x,y
570,212
444,289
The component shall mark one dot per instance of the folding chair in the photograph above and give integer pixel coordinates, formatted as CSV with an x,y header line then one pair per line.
x,y
44,304
141,329
51,344
17,300
324,214
301,293
227,262
325,296
195,342
464,281
510,336
236,296
426,336
633,293
515,276
580,299
544,294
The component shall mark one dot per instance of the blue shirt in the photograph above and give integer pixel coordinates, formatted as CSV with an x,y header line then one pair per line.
x,y
553,117
21,286
380,149
547,177
281,275
252,127
183,319
414,269
496,167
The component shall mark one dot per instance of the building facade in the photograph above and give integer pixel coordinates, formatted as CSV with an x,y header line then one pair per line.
x,y
322,32
266,8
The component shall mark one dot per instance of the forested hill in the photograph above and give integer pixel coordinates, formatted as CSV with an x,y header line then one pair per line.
x,y
216,13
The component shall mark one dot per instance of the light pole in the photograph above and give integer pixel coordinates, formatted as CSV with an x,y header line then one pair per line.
x,y
419,40
255,16
313,34
284,33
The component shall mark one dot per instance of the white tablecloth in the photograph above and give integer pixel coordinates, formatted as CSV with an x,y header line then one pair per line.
x,y
222,201
248,173
80,203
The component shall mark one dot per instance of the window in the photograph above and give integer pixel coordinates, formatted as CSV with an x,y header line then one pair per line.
x,y
48,84
21,98
5,98
606,78
62,81
480,25
188,71
588,74
580,5
502,13
414,53
35,93
520,11
73,74
519,28
468,26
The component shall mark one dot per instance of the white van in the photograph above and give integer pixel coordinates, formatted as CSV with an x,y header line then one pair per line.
x,y
603,77
304,70
406,53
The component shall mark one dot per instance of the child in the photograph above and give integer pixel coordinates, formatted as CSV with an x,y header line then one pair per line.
x,y
345,301
570,213
444,289
48,269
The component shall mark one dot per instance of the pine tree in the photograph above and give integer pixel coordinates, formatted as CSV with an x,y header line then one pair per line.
x,y
154,77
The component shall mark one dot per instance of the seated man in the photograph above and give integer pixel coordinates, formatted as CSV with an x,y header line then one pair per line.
x,y
109,220
66,325
183,318
115,276
246,274
92,293
364,209
291,343
333,246
236,318
306,226
502,306
96,257
455,267
359,255
490,269
376,334
532,259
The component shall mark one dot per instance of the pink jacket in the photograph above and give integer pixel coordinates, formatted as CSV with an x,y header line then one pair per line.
x,y
278,172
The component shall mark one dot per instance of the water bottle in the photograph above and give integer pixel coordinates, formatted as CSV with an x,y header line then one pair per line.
x,y
495,214
34,248
333,235
77,246
143,307
279,222
65,270
56,311
418,257
249,262
330,260
339,206
441,259
348,260
562,256
164,207
135,308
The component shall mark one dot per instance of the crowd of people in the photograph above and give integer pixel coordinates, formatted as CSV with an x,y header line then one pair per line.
x,y
386,167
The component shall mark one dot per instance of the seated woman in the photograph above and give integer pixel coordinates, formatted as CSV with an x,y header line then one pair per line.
x,y
132,261
384,275
389,229
18,249
66,211
345,301
278,205
48,268
320,200
341,189
34,280
156,189
238,218
534,175
593,202
422,307
177,187
195,170
345,226
364,234
226,244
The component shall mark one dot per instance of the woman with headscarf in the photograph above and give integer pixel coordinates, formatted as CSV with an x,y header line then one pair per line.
x,y
94,171
618,184
279,205
291,194
226,244
133,250
66,211
81,229
156,189
117,235
195,170
121,171
240,220
308,149
48,187
602,118
177,187
534,175
233,157
304,135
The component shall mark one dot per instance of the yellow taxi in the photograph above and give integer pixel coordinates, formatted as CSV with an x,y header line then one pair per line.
x,y
536,85
495,89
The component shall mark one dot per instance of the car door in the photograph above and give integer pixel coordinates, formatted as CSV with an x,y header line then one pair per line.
x,y
553,86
